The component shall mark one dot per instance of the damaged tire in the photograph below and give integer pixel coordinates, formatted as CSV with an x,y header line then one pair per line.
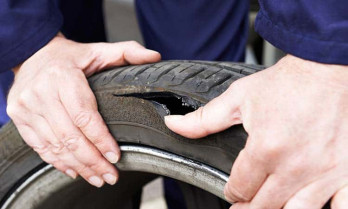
x,y
133,101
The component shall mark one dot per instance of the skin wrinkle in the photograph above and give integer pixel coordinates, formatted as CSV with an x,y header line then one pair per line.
x,y
337,80
246,198
201,118
49,105
296,126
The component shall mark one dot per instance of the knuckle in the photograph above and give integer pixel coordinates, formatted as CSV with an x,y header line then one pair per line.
x,y
57,148
41,150
201,118
38,89
12,110
235,86
76,77
89,96
82,119
101,136
82,170
95,164
98,164
25,97
98,140
297,169
53,71
87,103
71,143
58,165
199,114
227,193
236,194
252,146
133,43
271,149
45,155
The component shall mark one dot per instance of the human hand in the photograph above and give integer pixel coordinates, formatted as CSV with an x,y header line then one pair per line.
x,y
56,112
296,115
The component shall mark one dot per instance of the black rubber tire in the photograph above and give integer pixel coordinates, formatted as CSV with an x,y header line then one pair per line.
x,y
128,100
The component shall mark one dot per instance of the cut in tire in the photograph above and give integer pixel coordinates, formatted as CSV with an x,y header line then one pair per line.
x,y
133,101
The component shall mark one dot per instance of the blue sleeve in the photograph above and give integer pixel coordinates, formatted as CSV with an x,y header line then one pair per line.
x,y
25,27
316,30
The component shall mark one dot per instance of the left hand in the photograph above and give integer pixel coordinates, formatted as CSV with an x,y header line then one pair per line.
x,y
296,115
56,112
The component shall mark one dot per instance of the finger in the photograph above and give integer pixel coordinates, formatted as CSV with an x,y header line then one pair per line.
x,y
77,144
83,111
274,193
42,148
247,176
240,205
52,145
314,195
65,161
116,54
85,172
218,115
138,54
340,199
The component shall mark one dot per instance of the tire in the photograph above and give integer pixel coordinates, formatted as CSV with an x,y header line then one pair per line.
x,y
133,101
148,92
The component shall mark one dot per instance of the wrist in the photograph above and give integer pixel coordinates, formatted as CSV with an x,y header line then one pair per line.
x,y
59,37
328,73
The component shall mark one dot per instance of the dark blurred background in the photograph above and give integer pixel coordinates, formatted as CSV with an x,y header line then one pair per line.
x,y
121,25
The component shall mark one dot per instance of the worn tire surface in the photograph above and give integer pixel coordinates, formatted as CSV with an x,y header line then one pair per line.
x,y
133,101
131,98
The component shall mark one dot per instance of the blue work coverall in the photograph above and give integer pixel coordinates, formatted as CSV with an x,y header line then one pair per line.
x,y
178,29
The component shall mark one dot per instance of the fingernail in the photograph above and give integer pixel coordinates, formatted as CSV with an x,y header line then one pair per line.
x,y
150,50
109,178
173,117
71,173
96,181
112,157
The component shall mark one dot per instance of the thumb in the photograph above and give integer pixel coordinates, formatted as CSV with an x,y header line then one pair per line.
x,y
106,55
218,115
340,199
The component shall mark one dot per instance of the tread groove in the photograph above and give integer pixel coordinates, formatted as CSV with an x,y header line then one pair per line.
x,y
189,76
185,68
116,74
193,75
165,72
218,83
213,73
142,70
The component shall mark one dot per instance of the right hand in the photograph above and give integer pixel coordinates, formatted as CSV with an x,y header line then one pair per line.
x,y
296,117
56,112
